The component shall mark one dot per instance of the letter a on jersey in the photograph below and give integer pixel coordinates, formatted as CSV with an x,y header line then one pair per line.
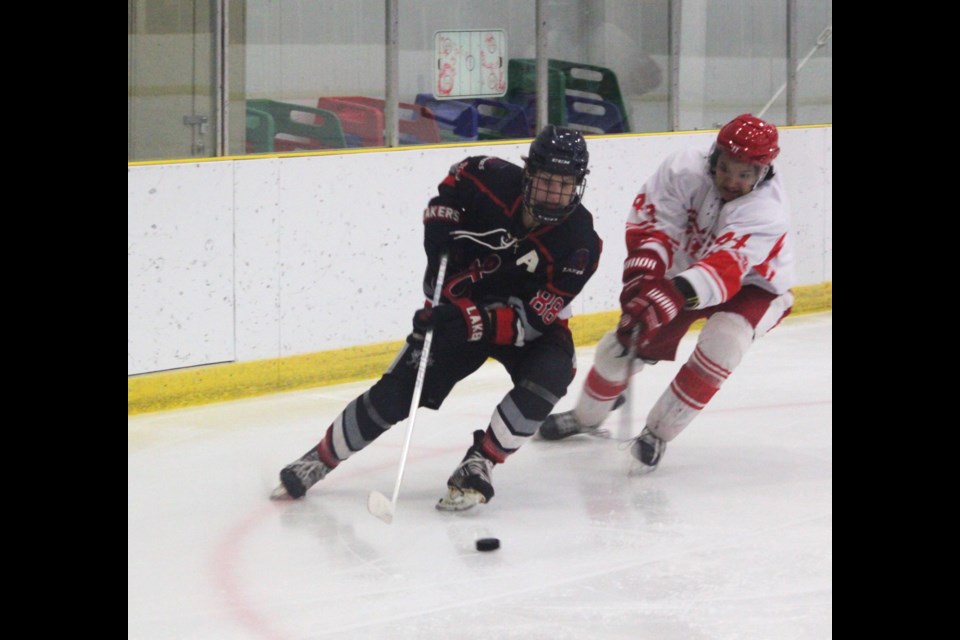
x,y
530,259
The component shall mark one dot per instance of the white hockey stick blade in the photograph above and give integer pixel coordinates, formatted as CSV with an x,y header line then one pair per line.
x,y
380,506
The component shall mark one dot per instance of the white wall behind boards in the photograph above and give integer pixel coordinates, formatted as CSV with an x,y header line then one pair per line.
x,y
251,259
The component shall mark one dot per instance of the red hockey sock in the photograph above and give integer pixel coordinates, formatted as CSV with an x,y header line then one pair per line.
x,y
492,450
599,388
325,450
698,380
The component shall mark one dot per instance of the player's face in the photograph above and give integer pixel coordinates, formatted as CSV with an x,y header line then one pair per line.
x,y
734,178
552,191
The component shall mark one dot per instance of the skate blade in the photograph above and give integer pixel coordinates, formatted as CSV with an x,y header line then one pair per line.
x,y
460,500
280,493
637,468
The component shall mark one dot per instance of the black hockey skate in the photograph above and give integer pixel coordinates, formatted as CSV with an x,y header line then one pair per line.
x,y
648,450
300,475
563,425
470,483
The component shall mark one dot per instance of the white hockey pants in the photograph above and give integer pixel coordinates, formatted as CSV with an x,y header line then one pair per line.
x,y
721,344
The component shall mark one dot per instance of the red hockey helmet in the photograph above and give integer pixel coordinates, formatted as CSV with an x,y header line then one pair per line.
x,y
750,139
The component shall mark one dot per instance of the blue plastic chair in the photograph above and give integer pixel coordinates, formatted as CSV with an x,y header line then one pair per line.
x,y
590,115
457,120
500,120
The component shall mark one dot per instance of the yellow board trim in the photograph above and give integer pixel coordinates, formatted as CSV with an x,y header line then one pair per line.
x,y
232,381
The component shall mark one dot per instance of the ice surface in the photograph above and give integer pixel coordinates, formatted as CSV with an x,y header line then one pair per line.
x,y
731,538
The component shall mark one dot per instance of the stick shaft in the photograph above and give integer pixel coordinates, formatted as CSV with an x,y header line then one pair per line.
x,y
626,418
821,40
418,387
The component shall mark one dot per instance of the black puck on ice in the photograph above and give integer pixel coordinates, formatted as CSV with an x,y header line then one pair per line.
x,y
488,544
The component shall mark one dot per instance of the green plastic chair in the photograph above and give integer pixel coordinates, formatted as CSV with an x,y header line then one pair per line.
x,y
597,82
261,131
315,129
564,78
522,91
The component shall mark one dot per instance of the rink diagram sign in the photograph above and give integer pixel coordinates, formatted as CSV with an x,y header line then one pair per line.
x,y
470,64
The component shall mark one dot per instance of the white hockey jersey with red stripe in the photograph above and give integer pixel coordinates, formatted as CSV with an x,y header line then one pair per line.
x,y
718,247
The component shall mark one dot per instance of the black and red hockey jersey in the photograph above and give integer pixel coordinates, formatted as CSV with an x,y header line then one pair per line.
x,y
476,216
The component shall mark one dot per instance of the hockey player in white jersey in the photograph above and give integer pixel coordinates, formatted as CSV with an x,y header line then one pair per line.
x,y
708,236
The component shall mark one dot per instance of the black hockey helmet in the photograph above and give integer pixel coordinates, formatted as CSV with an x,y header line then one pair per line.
x,y
559,151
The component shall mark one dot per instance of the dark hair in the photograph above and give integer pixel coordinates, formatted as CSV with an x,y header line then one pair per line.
x,y
715,155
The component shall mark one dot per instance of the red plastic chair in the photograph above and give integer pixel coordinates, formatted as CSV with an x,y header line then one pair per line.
x,y
362,123
417,123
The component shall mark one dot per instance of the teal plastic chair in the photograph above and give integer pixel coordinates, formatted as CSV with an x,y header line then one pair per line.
x,y
261,131
565,79
592,81
522,91
313,130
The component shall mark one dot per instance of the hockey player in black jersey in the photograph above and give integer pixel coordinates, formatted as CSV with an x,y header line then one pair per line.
x,y
520,247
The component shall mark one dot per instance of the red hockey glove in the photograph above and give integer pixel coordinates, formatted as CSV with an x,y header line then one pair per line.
x,y
641,265
464,320
655,304
503,325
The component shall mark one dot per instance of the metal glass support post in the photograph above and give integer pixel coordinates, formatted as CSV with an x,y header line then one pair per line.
x,y
673,74
542,66
390,110
792,23
221,32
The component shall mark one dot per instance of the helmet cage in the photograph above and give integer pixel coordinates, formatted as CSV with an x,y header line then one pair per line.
x,y
555,151
544,213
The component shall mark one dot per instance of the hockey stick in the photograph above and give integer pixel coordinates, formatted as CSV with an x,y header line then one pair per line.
x,y
822,40
377,503
626,418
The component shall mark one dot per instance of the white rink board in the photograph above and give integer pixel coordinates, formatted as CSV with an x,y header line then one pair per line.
x,y
265,258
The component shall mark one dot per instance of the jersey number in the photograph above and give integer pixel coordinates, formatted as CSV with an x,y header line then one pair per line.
x,y
640,203
547,305
728,236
